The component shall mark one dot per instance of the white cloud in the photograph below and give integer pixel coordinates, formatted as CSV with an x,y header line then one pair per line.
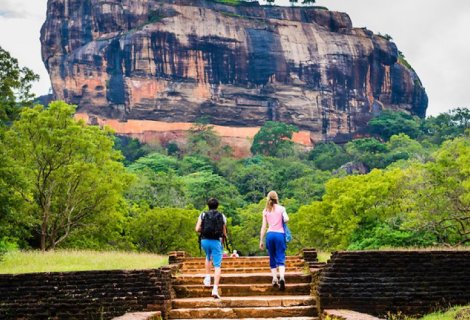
x,y
10,9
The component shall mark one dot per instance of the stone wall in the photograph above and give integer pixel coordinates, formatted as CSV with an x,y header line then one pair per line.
x,y
83,295
377,282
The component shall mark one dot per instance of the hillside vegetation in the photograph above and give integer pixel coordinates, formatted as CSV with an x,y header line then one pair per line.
x,y
64,184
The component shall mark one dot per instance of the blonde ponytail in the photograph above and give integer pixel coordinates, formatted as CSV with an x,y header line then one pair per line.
x,y
272,199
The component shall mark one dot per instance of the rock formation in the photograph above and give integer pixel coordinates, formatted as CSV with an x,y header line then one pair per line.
x,y
149,68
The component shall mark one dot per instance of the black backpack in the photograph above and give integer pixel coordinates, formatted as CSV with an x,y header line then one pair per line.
x,y
212,225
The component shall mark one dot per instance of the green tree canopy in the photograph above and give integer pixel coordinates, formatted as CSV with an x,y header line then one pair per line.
x,y
273,139
446,126
437,197
328,156
15,86
161,230
390,123
72,170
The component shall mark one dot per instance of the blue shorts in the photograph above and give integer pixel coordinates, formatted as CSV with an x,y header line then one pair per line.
x,y
276,245
214,250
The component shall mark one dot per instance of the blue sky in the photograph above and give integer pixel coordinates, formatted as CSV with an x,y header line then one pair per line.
x,y
432,34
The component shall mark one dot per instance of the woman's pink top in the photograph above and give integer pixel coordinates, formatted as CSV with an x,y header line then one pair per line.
x,y
274,218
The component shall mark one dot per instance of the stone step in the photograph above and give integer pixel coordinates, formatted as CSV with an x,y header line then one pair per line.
x,y
240,313
244,264
239,270
238,290
251,258
232,302
241,261
245,278
282,318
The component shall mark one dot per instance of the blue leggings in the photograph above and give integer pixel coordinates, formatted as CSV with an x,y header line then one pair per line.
x,y
276,245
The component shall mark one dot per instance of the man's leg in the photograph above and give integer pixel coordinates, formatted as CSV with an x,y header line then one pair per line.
x,y
207,249
217,260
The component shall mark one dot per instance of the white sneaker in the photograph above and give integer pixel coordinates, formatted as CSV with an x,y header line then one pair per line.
x,y
207,281
215,293
275,282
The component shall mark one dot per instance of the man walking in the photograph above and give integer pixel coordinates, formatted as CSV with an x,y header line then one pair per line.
x,y
212,228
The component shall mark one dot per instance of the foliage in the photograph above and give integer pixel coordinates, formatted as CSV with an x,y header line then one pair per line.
x,y
390,123
77,260
157,189
161,230
245,236
308,2
379,234
438,194
230,2
71,169
203,140
130,148
201,186
15,87
402,60
14,224
369,151
273,139
328,156
307,188
254,181
155,162
347,203
446,126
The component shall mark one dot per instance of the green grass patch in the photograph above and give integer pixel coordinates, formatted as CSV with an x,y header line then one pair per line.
x,y
454,313
14,262
229,2
323,256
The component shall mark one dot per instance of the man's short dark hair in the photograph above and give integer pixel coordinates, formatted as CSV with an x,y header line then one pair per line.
x,y
212,203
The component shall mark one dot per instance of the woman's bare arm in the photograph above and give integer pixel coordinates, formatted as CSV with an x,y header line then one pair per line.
x,y
262,233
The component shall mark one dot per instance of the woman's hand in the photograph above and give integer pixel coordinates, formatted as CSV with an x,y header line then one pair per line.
x,y
261,245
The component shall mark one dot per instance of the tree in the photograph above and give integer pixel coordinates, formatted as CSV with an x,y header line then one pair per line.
x,y
130,148
72,170
274,139
390,123
155,162
200,186
308,188
14,224
245,236
161,230
254,181
438,194
348,204
15,86
308,2
157,189
446,126
204,141
328,156
369,151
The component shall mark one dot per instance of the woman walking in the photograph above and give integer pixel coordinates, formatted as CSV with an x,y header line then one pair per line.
x,y
273,216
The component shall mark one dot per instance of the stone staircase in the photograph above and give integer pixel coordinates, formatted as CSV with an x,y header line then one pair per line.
x,y
246,291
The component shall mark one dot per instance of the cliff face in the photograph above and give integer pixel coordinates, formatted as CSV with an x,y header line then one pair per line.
x,y
174,61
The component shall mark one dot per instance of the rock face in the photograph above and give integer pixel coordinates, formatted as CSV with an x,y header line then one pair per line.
x,y
174,61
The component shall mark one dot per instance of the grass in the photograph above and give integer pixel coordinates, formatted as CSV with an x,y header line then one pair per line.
x,y
323,256
15,262
453,313
229,2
